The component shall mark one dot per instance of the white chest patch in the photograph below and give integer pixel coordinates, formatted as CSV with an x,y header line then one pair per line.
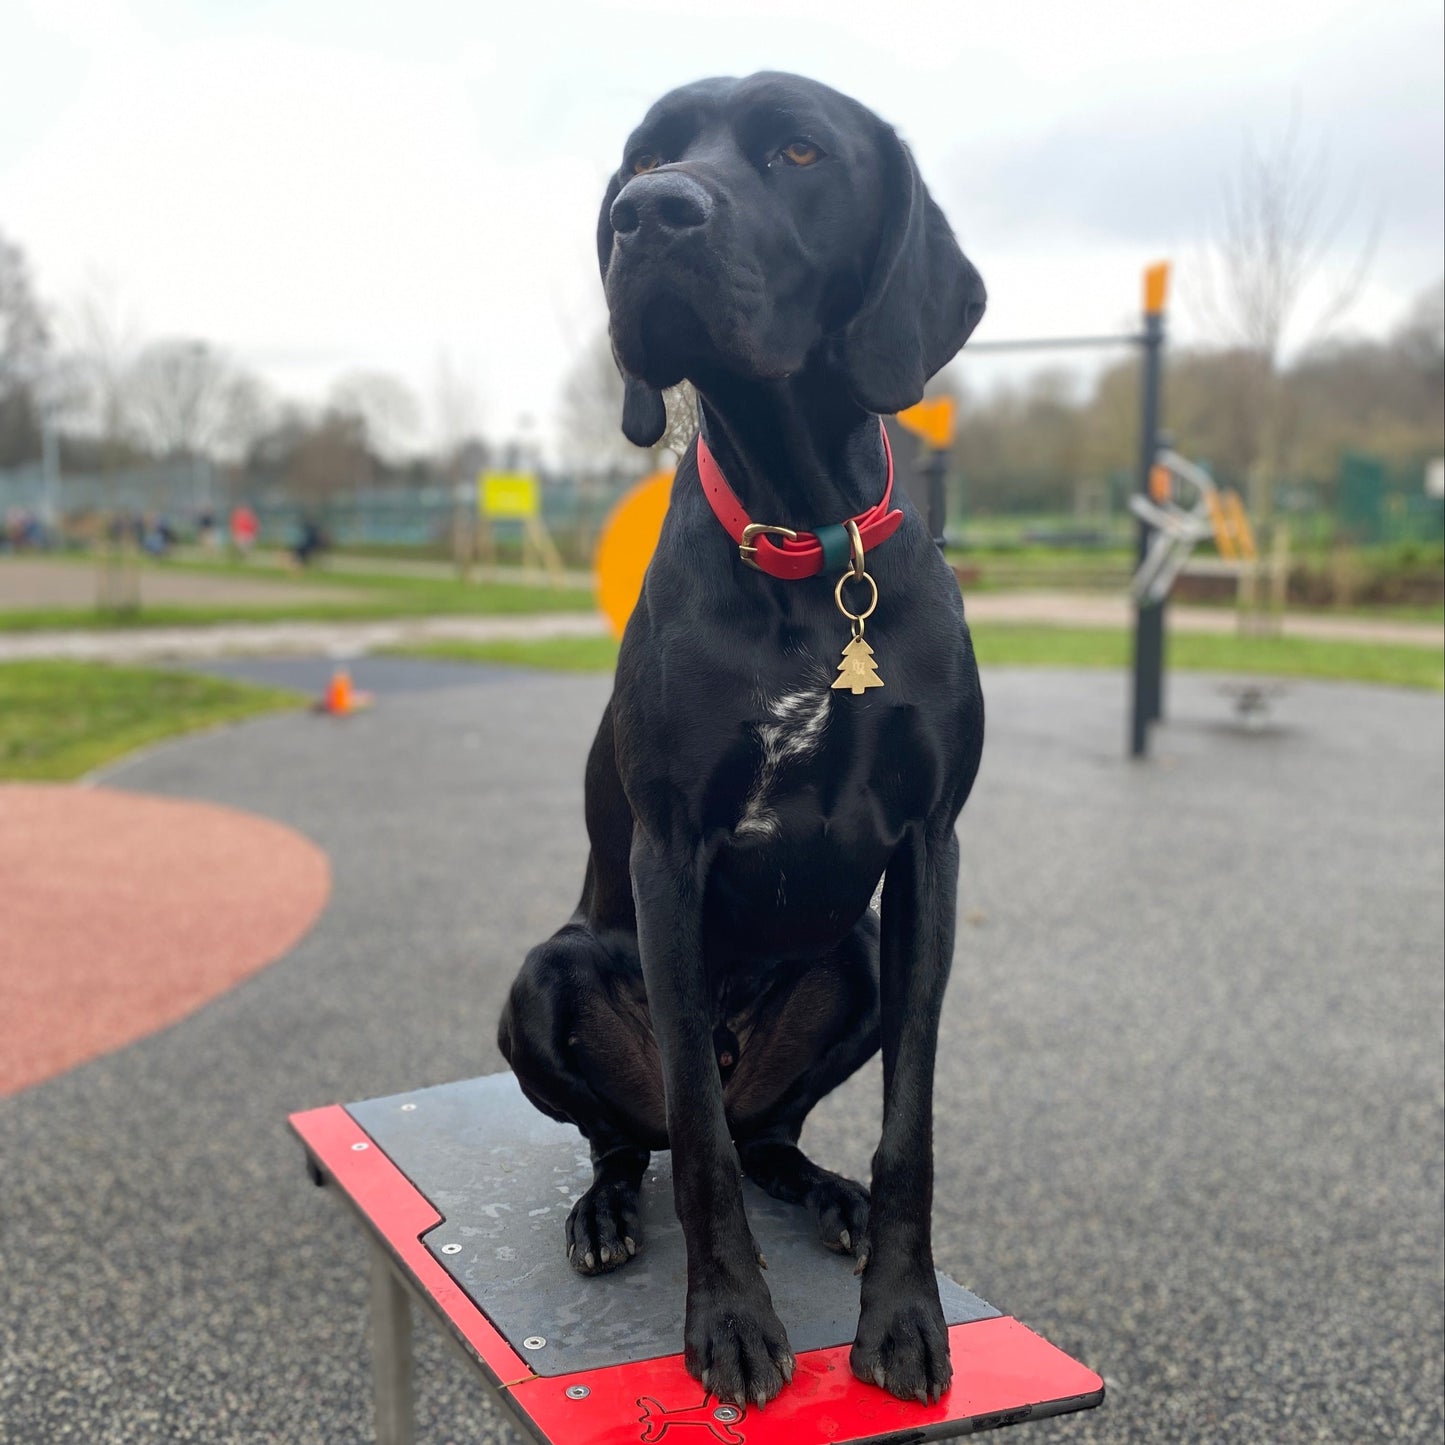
x,y
799,720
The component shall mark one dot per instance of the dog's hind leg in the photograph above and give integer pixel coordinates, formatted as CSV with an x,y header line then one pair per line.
x,y
604,1228
808,1039
576,1032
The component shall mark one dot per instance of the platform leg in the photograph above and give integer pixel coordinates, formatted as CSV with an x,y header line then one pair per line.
x,y
390,1352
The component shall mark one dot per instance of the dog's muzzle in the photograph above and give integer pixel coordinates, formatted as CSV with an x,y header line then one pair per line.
x,y
662,204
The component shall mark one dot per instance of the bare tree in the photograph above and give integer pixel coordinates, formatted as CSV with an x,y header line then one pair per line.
x,y
591,415
330,457
1421,336
682,421
103,340
189,400
24,357
385,407
456,414
24,334
1275,230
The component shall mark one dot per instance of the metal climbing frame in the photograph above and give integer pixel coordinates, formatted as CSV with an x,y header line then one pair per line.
x,y
1174,529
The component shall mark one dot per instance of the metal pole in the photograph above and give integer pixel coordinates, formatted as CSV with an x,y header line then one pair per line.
x,y
934,469
1051,343
50,479
1148,678
390,1352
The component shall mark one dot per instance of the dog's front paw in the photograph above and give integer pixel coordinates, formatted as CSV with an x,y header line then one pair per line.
x,y
840,1207
736,1345
603,1229
902,1344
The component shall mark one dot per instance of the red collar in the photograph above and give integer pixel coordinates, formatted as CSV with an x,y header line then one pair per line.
x,y
796,554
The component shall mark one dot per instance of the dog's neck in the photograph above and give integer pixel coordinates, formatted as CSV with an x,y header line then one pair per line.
x,y
798,452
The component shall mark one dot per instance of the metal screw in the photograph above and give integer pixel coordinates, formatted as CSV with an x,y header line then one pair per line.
x,y
357,1148
451,1249
533,1342
577,1392
727,1414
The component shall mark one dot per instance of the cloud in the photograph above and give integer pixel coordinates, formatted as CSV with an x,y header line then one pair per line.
x,y
329,187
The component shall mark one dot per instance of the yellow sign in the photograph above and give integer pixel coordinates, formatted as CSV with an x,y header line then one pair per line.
x,y
508,496
628,540
932,420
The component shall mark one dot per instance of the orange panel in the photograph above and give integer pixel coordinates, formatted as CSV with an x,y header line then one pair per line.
x,y
628,541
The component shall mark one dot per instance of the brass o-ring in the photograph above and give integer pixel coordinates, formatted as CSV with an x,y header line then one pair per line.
x,y
838,597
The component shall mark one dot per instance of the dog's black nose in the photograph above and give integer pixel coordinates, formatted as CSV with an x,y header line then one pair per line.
x,y
667,201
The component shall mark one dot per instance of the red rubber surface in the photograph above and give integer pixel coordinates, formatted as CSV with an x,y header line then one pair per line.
x,y
122,913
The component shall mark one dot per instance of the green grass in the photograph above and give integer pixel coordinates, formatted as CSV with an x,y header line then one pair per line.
x,y
1019,645
359,595
1003,644
554,654
60,720
381,597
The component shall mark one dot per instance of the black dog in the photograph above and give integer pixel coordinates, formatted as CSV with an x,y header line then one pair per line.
x,y
770,240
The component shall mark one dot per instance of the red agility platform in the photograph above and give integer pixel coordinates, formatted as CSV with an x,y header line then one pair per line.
x,y
462,1191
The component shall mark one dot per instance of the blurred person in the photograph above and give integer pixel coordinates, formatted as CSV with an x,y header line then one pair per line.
x,y
310,542
244,529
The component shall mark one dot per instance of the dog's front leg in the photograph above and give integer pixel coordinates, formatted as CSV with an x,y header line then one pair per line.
x,y
902,1341
733,1340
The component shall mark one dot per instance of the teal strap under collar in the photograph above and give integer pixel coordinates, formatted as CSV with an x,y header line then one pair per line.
x,y
837,551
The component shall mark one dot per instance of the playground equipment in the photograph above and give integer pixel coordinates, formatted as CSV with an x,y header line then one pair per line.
x,y
516,497
1183,508
1175,529
933,420
579,1361
1148,662
625,547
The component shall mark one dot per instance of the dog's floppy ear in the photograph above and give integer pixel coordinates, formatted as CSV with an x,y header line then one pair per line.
x,y
644,414
923,298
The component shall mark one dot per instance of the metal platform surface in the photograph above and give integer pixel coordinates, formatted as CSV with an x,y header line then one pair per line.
x,y
463,1190
504,1177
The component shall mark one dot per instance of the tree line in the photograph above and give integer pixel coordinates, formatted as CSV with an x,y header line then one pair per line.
x,y
115,399
1039,444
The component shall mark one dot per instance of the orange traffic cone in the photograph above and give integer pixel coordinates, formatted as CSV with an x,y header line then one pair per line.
x,y
338,693
340,698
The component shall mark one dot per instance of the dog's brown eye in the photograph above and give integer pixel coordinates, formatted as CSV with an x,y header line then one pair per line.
x,y
801,153
645,162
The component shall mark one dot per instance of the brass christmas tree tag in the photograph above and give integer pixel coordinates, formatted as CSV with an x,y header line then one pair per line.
x,y
857,669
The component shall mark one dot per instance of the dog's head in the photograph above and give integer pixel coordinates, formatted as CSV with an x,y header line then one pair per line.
x,y
756,222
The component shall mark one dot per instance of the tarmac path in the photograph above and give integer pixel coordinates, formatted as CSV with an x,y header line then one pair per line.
x,y
1074,609
1189,1102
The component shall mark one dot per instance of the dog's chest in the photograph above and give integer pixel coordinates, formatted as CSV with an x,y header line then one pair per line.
x,y
790,736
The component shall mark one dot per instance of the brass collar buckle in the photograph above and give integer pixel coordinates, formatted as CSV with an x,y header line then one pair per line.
x,y
747,549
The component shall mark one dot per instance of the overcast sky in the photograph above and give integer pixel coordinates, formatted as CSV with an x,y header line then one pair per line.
x,y
321,186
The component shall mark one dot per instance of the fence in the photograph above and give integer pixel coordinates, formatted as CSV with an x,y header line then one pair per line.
x,y
1369,503
75,506
1378,503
